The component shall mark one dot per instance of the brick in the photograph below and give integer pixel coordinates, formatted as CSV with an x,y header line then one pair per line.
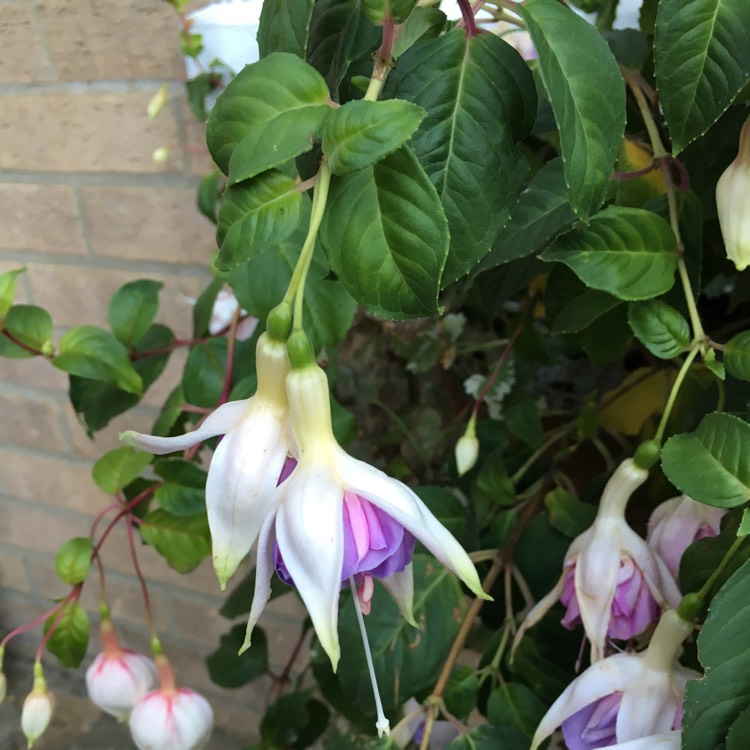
x,y
23,59
13,570
84,133
31,422
150,224
40,217
77,295
106,439
201,162
197,622
108,39
33,373
37,529
51,481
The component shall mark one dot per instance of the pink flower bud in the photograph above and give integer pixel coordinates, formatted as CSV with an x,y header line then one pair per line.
x,y
677,523
171,719
37,708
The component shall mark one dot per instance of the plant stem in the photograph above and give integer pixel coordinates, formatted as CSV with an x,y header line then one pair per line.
x,y
703,593
141,579
496,371
659,437
25,347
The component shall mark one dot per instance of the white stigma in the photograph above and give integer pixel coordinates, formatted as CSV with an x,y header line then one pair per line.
x,y
382,725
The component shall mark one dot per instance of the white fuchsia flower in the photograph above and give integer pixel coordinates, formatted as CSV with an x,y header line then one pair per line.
x,y
612,581
118,677
626,701
36,713
675,524
223,312
247,463
467,448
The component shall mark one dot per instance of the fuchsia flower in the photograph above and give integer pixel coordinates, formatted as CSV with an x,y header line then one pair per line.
x,y
626,701
118,678
677,523
612,581
248,462
224,309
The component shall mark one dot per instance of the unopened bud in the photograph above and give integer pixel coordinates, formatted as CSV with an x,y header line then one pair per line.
x,y
3,686
37,708
467,448
733,203
160,155
158,100
48,349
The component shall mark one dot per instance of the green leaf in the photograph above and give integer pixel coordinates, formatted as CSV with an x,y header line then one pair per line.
x,y
701,60
73,560
627,252
228,669
266,116
205,369
516,706
241,597
8,289
422,23
488,737
91,352
541,212
208,194
587,94
481,100
283,27
580,312
722,696
386,237
294,721
362,132
710,464
737,356
181,472
255,216
407,661
567,513
71,637
132,310
181,501
118,468
659,327
396,10
198,89
182,540
204,307
461,692
29,324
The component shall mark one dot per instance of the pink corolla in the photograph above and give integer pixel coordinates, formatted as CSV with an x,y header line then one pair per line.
x,y
247,463
118,677
612,581
626,701
677,523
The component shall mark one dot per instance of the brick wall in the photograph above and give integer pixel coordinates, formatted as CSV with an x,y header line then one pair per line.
x,y
85,209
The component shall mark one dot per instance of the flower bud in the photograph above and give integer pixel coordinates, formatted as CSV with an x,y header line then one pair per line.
x,y
733,203
3,686
467,448
37,708
160,155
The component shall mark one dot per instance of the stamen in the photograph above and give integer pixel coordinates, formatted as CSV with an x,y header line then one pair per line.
x,y
382,725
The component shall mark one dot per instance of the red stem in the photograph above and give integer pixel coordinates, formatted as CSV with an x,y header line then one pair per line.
x,y
26,347
34,623
386,47
467,17
129,506
73,596
139,573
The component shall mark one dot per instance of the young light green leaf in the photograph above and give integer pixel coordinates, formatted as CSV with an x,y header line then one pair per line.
x,y
737,356
710,464
659,327
587,94
118,468
8,289
70,640
93,353
133,309
702,61
396,10
266,116
184,541
255,216
481,101
283,26
362,132
73,560
627,252
386,237
29,324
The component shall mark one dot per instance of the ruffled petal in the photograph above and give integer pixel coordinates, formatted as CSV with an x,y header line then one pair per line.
x,y
310,535
263,572
220,422
401,587
402,504
240,488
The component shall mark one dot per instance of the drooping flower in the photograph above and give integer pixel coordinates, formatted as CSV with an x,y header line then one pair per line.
x,y
675,524
171,718
612,581
224,309
247,463
118,677
37,708
626,700
308,527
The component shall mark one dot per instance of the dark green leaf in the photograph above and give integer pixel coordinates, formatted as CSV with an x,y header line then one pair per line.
x,y
181,472
737,356
523,420
451,512
208,196
182,540
73,560
488,737
386,237
133,309
71,637
283,26
29,324
627,252
422,23
659,327
710,464
514,705
203,377
702,60
255,216
461,691
580,312
228,669
179,500
294,721
395,10
363,132
198,89
170,412
204,307
266,116
481,100
239,600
